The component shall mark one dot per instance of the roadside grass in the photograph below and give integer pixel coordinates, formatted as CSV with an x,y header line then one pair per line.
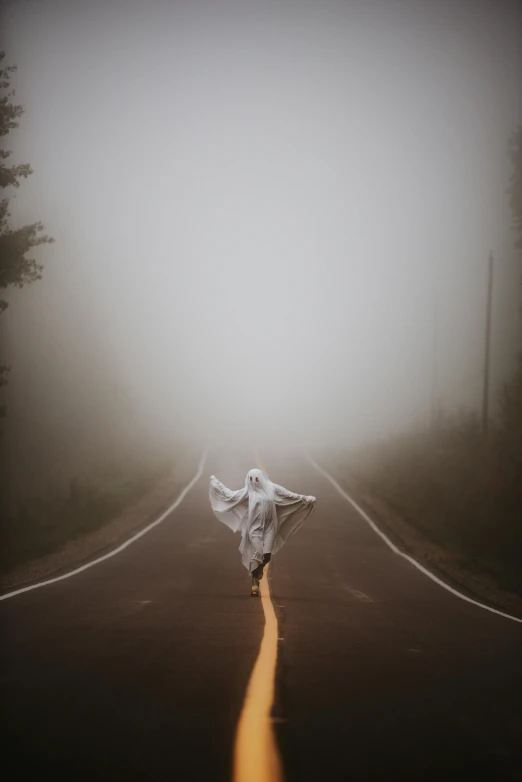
x,y
458,489
40,527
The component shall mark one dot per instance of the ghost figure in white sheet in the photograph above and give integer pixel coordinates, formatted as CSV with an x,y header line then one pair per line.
x,y
265,514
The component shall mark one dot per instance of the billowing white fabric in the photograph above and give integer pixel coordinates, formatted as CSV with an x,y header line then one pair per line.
x,y
266,514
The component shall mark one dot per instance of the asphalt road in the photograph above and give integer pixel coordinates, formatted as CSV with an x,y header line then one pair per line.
x,y
137,667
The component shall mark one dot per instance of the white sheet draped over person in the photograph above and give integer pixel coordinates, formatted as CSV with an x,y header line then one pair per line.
x,y
265,514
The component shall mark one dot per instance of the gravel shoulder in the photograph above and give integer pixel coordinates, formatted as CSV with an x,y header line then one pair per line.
x,y
93,544
447,565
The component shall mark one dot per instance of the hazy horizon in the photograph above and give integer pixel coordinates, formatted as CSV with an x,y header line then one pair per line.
x,y
258,207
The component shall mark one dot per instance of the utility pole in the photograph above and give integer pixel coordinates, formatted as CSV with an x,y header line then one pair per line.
x,y
434,362
485,391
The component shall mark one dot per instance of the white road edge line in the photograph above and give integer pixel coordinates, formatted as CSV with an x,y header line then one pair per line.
x,y
395,550
123,545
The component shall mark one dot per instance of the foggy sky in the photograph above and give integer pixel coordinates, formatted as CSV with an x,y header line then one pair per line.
x,y
258,207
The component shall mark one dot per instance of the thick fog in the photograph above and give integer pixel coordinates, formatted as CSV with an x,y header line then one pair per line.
x,y
272,219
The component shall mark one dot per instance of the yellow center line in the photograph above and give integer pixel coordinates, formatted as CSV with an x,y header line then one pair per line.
x,y
256,758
